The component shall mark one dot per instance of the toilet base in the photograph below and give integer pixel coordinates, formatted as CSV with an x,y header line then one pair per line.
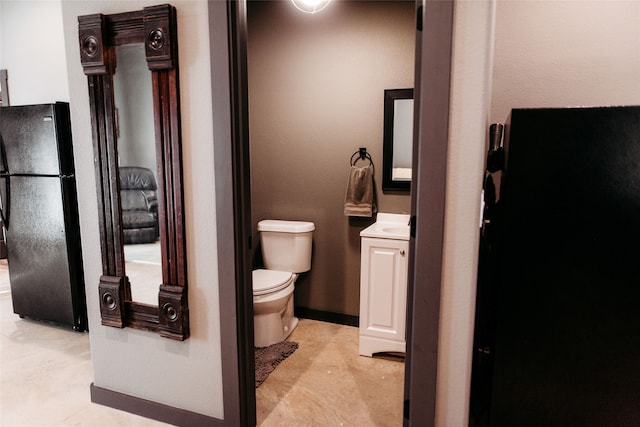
x,y
274,327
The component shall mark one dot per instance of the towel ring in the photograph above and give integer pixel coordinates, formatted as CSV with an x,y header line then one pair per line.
x,y
362,155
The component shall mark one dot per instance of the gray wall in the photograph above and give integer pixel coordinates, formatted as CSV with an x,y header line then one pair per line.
x,y
187,374
316,91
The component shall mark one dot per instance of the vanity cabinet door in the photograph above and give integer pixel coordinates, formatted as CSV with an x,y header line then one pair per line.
x,y
383,295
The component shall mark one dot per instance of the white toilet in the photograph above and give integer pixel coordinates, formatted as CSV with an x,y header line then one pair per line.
x,y
286,251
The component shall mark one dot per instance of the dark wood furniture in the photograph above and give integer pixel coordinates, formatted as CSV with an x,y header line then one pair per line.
x,y
99,35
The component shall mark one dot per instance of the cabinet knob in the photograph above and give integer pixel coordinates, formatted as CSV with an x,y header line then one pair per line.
x,y
402,252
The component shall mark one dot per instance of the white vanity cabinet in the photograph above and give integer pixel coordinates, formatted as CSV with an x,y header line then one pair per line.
x,y
383,289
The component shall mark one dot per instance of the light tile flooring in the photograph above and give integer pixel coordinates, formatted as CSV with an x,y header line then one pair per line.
x,y
326,383
45,372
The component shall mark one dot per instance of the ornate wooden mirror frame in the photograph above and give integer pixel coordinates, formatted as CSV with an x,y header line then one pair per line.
x,y
99,35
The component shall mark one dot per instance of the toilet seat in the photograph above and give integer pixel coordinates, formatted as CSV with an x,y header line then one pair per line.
x,y
270,281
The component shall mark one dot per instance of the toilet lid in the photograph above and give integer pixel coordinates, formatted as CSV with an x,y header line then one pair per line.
x,y
267,281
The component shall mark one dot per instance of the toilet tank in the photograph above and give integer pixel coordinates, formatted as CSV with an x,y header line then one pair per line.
x,y
286,245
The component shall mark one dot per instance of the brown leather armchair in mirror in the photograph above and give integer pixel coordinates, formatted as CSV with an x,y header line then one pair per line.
x,y
139,204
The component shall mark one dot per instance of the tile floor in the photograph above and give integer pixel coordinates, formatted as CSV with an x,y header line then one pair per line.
x,y
326,383
45,372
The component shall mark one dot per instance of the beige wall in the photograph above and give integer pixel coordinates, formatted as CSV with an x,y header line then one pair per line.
x,y
316,85
546,54
468,120
32,51
186,375
565,53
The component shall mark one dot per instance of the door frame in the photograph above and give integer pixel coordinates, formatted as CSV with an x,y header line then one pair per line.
x,y
434,41
233,194
228,45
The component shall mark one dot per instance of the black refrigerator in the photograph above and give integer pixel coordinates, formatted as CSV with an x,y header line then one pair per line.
x,y
557,336
40,214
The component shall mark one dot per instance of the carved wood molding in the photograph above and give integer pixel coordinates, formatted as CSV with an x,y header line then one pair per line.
x,y
111,290
161,37
93,54
98,36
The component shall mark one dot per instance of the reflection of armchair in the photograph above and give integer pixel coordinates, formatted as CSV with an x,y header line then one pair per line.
x,y
139,204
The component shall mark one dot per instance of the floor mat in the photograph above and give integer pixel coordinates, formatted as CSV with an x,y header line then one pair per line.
x,y
268,358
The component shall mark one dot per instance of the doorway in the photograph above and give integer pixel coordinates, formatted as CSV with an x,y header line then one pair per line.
x,y
316,87
428,203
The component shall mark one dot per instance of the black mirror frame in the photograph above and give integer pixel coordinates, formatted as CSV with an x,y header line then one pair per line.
x,y
390,96
99,34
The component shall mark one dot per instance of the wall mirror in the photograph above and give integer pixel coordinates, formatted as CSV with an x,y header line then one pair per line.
x,y
137,165
131,63
398,139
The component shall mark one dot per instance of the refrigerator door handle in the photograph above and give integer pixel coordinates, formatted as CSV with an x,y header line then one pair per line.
x,y
4,174
3,157
5,203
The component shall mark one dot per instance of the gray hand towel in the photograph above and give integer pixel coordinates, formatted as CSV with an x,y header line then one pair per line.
x,y
358,200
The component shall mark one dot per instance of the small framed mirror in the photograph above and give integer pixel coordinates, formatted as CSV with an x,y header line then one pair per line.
x,y
398,139
129,58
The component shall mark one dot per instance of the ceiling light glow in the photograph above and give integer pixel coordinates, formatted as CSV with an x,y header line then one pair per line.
x,y
310,6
